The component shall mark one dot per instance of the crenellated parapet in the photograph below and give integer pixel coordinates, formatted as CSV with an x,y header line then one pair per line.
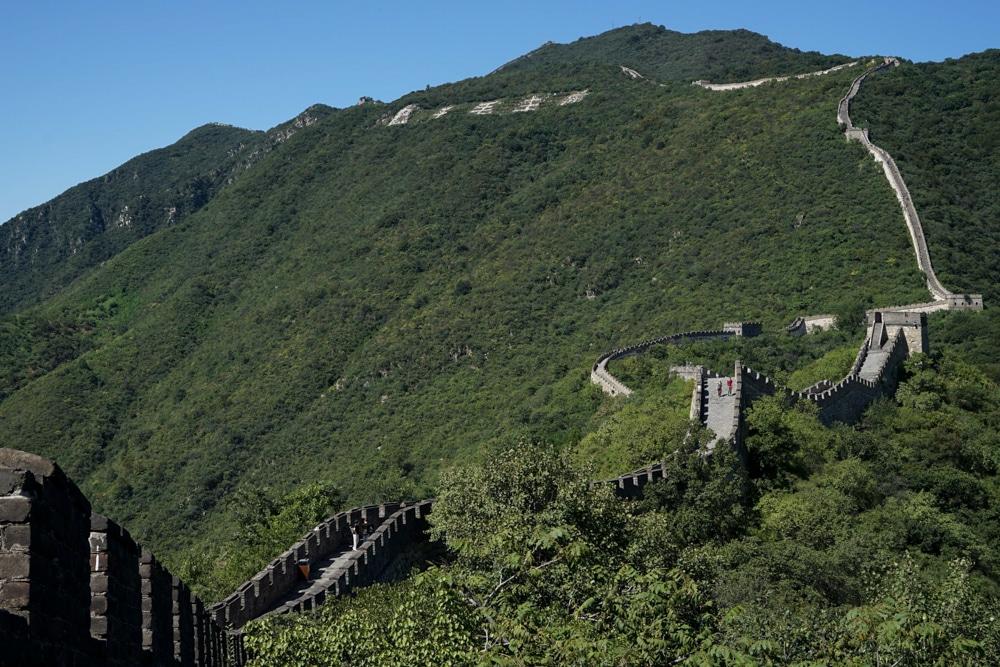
x,y
75,589
115,591
891,338
366,564
324,564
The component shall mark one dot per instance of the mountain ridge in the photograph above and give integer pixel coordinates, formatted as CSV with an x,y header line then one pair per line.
x,y
372,303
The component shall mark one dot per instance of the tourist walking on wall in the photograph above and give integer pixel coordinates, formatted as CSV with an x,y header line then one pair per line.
x,y
729,384
720,388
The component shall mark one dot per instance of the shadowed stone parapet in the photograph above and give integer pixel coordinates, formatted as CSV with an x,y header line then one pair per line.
x,y
157,611
183,622
115,587
76,590
44,556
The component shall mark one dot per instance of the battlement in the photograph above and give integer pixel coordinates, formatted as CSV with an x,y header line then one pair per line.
x,y
75,589
744,329
271,590
609,384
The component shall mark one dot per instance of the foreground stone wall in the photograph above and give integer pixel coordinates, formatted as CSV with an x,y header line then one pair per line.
x,y
44,563
115,592
76,590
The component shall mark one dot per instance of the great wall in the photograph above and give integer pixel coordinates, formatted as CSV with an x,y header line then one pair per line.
x,y
76,589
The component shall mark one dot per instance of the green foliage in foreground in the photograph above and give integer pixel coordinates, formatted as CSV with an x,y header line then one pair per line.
x,y
875,545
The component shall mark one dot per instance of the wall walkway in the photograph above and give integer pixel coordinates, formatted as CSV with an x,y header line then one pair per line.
x,y
943,298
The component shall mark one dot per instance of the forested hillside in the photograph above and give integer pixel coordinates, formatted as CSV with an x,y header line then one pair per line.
x,y
46,247
369,304
718,55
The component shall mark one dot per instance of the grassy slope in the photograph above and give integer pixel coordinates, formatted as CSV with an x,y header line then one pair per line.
x,y
941,123
369,303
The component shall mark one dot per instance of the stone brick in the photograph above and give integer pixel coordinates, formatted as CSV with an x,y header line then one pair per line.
x,y
99,626
98,584
14,566
14,594
10,480
15,537
18,460
14,509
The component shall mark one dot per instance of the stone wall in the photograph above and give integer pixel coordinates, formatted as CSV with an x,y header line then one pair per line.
x,y
744,329
76,590
115,587
398,526
898,185
951,302
365,565
772,79
609,384
44,562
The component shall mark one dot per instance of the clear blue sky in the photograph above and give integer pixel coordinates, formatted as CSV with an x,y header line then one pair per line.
x,y
86,85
